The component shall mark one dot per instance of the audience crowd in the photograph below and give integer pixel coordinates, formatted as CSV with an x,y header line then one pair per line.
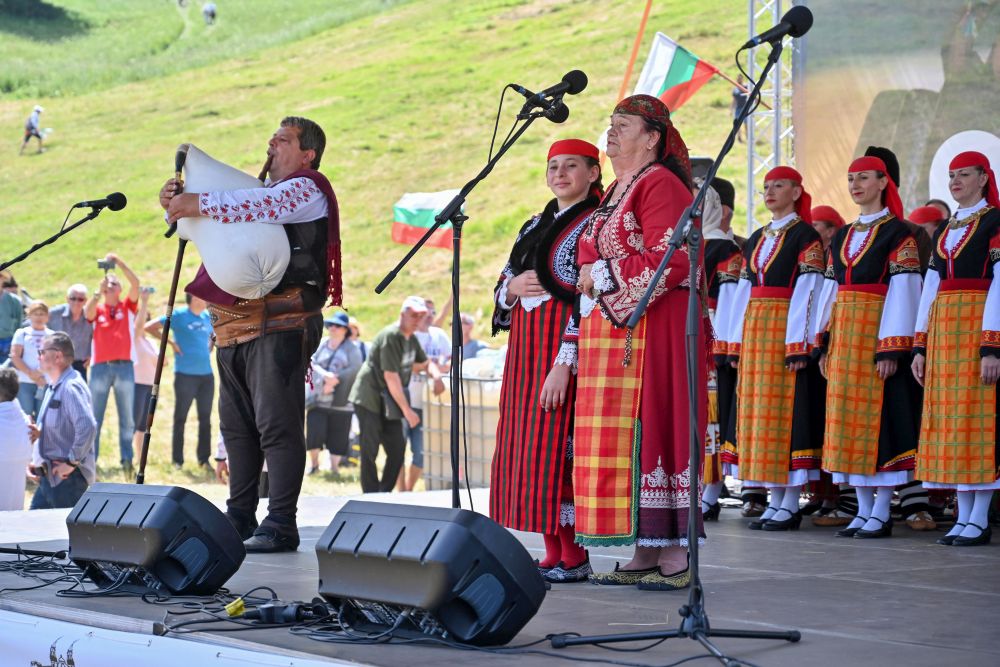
x,y
60,365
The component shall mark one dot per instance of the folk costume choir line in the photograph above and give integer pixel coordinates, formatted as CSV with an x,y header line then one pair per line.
x,y
858,360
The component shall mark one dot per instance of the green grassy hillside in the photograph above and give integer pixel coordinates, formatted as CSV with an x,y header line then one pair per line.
x,y
407,96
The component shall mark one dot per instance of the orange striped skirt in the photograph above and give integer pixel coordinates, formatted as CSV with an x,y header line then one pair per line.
x,y
958,430
854,389
765,394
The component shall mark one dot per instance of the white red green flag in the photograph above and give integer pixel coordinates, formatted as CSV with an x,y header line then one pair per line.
x,y
414,214
672,73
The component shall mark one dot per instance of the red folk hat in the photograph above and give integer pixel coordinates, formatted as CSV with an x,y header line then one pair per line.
x,y
653,109
923,215
891,194
976,159
803,205
573,147
827,214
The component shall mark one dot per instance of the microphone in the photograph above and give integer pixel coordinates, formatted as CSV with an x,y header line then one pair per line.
x,y
795,23
571,84
115,201
558,113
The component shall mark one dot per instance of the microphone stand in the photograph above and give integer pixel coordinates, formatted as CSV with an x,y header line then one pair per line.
x,y
694,619
94,212
452,213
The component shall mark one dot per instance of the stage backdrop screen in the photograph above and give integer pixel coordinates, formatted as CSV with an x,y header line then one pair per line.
x,y
920,77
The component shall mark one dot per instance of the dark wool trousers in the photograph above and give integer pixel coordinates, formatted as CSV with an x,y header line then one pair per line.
x,y
377,430
261,414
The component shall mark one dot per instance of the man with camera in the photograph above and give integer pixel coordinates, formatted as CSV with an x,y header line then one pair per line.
x,y
63,460
111,364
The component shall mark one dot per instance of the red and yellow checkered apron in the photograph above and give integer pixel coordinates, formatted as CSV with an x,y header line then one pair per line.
x,y
854,389
606,434
958,430
765,394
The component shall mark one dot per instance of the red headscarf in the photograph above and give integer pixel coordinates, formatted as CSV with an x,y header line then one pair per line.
x,y
803,205
892,200
653,109
974,159
828,214
926,214
574,147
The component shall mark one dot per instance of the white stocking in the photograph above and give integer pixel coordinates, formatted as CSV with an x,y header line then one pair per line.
x,y
866,501
777,495
880,508
710,495
966,499
980,514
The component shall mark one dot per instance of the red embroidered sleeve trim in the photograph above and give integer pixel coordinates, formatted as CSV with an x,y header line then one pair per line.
x,y
812,259
286,199
796,349
720,347
920,339
895,344
733,349
990,338
906,258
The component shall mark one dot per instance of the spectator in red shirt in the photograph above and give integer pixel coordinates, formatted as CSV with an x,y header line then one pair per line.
x,y
111,361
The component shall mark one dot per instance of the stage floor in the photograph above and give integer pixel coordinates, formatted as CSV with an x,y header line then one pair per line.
x,y
898,601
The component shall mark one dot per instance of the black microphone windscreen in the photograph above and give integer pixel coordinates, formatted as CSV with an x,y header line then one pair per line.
x,y
558,114
116,201
800,19
577,81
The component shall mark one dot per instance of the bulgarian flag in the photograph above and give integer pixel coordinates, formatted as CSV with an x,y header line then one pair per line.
x,y
414,214
673,73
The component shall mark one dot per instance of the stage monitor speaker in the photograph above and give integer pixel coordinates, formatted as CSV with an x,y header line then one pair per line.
x,y
141,538
427,571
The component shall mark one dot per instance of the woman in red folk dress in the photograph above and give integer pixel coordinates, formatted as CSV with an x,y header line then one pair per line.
x,y
631,476
531,487
957,352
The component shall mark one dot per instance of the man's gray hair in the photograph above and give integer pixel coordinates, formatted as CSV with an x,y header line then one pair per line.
x,y
77,288
311,136
62,342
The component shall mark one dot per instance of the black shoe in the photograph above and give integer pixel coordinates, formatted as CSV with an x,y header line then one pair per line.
x,y
245,527
793,521
712,513
758,524
949,540
851,532
982,538
267,540
884,531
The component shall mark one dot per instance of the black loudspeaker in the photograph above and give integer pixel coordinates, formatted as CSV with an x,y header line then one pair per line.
x,y
427,571
138,537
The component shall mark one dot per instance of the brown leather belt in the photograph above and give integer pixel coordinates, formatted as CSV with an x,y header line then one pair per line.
x,y
248,319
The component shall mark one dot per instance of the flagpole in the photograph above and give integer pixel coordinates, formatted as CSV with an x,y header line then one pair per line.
x,y
631,60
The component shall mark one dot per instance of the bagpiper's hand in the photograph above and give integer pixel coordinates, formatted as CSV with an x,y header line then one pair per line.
x,y
167,192
184,205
